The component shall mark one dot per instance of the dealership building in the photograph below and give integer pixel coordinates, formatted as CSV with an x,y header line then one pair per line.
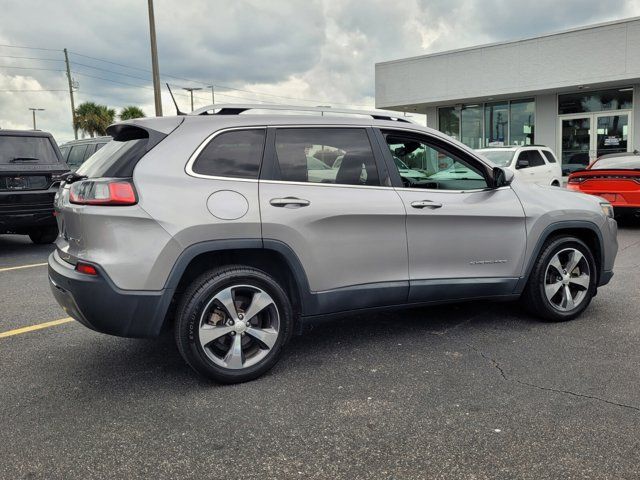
x,y
576,91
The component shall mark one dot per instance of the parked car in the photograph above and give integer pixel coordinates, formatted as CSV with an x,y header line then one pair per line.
x,y
210,224
76,152
530,163
614,177
31,169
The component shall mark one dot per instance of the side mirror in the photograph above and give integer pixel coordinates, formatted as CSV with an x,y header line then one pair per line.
x,y
501,177
522,163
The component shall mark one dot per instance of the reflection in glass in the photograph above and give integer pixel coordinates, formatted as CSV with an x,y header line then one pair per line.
x,y
575,144
582,102
612,134
523,117
471,128
496,124
449,122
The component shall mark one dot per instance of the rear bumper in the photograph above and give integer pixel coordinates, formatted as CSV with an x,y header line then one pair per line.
x,y
98,304
20,211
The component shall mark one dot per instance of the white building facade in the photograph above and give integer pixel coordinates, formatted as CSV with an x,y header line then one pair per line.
x,y
576,91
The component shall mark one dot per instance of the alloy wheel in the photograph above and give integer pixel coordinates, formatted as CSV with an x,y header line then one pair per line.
x,y
567,279
239,326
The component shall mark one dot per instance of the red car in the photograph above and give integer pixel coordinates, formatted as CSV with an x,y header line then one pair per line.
x,y
614,177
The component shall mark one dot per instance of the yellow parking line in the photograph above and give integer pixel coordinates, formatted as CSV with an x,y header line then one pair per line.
x,y
31,328
6,269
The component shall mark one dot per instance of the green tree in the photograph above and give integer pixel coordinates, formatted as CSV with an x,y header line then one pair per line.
x,y
130,112
93,119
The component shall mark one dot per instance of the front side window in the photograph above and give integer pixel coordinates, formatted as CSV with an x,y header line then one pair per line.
x,y
325,155
533,158
429,165
236,154
501,158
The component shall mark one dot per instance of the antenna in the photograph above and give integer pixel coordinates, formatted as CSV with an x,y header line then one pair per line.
x,y
178,112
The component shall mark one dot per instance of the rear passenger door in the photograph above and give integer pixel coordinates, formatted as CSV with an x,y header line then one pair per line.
x,y
326,195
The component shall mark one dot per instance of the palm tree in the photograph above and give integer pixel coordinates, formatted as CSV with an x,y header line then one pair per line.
x,y
93,119
130,112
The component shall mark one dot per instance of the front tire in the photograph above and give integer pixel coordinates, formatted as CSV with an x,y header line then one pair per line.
x,y
563,280
232,324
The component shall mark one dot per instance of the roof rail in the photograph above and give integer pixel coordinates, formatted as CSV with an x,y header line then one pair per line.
x,y
236,109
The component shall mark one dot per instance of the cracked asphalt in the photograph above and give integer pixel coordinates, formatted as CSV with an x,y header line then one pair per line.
x,y
473,391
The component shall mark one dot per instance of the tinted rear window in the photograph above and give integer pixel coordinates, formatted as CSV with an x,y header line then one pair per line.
x,y
631,162
26,150
232,154
116,159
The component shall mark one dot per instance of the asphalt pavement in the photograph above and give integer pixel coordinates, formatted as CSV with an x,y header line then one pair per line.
x,y
473,391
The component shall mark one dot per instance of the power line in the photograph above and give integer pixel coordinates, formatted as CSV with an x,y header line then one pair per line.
x,y
33,58
31,68
31,48
33,90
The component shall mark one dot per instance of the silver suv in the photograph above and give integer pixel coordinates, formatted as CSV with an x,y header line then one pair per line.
x,y
212,225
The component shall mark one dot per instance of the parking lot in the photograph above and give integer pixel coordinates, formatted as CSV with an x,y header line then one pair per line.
x,y
479,390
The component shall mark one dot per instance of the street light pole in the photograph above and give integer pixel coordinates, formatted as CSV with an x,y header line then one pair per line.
x,y
154,61
33,111
190,90
213,95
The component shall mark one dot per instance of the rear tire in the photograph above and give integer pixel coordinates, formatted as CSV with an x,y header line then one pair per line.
x,y
563,280
43,236
214,332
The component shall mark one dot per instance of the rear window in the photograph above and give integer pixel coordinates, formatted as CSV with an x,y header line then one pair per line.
x,y
26,150
117,158
631,162
76,155
235,154
502,158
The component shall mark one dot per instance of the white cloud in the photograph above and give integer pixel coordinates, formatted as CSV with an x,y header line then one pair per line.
x,y
318,51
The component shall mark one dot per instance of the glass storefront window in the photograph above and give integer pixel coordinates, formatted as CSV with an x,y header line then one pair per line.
x,y
496,124
584,102
490,124
449,121
523,116
471,126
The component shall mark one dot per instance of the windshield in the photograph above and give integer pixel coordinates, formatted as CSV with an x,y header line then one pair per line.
x,y
26,150
501,158
315,164
630,162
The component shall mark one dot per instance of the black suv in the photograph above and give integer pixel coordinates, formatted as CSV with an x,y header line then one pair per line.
x,y
31,169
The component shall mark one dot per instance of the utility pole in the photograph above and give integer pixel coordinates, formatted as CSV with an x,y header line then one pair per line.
x,y
34,110
154,61
73,106
190,90
213,95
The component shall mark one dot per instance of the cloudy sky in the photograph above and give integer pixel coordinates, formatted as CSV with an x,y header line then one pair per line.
x,y
311,52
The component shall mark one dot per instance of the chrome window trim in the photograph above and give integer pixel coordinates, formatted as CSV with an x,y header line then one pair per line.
x,y
192,158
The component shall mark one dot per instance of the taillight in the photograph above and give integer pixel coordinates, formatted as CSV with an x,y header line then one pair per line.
x,y
103,192
86,269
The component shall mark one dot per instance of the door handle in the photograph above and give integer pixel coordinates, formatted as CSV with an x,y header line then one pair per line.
x,y
426,204
290,202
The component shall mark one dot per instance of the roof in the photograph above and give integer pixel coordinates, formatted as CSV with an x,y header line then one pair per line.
x,y
80,141
25,133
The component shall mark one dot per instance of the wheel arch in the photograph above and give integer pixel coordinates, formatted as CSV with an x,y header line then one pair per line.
x,y
586,231
273,257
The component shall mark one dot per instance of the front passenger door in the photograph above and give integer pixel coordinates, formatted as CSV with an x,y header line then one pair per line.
x,y
464,238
